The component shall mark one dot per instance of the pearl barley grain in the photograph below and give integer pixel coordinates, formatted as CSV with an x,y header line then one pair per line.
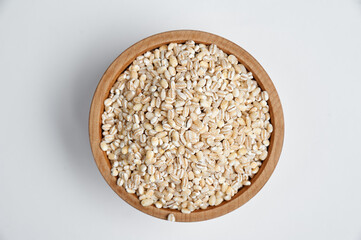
x,y
185,127
147,202
171,217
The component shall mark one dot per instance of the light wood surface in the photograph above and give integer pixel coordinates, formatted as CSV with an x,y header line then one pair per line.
x,y
155,41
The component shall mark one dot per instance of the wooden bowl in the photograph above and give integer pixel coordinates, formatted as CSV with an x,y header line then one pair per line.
x,y
155,41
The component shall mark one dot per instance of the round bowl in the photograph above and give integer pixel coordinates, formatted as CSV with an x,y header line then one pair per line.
x,y
260,75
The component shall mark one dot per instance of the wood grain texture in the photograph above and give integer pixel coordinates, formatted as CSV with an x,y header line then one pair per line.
x,y
180,36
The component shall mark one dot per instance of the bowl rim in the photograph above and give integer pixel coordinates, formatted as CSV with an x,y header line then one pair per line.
x,y
125,59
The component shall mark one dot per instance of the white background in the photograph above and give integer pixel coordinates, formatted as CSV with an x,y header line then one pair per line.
x,y
53,53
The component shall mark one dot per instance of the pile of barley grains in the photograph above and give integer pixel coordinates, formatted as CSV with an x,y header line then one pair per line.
x,y
185,127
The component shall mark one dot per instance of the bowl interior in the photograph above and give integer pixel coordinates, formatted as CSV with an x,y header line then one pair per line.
x,y
125,59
